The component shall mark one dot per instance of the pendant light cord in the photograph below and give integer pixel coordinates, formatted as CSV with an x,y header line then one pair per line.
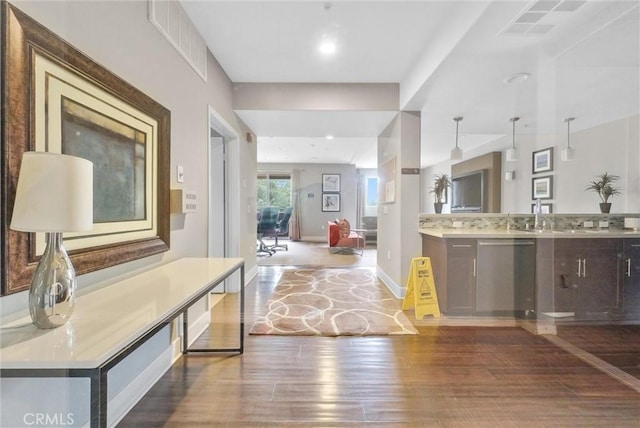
x,y
513,121
568,120
457,119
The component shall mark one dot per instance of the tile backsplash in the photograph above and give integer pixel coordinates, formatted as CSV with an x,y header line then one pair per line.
x,y
492,221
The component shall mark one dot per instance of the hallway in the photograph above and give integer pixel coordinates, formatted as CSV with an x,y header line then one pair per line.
x,y
445,377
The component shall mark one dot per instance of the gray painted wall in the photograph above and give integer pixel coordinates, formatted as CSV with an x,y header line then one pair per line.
x,y
613,147
398,237
313,220
119,36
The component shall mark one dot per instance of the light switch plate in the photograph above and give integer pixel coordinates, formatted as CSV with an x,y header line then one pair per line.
x,y
587,224
180,174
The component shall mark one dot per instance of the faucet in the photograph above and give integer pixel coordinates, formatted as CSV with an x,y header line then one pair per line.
x,y
538,213
508,222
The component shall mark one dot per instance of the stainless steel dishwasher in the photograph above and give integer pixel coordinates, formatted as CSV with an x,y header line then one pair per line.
x,y
506,276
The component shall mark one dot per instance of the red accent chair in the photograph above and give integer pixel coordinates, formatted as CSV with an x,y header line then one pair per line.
x,y
342,239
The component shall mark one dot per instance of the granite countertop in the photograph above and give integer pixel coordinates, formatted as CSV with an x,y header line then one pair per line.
x,y
517,234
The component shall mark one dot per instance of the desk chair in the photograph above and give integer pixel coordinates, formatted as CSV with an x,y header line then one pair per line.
x,y
267,228
282,228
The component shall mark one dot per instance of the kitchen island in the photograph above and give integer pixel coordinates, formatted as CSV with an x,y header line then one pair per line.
x,y
563,275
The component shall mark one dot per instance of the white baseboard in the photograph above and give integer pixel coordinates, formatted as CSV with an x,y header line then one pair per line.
x,y
536,327
176,351
199,326
250,275
395,289
122,403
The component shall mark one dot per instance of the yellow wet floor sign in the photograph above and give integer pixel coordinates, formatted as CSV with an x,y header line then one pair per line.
x,y
421,289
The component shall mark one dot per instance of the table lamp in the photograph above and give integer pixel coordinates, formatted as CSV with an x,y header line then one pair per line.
x,y
54,195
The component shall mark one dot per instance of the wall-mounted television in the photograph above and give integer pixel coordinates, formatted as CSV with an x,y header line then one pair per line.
x,y
468,192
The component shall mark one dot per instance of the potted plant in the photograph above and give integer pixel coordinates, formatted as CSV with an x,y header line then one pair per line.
x,y
440,183
605,188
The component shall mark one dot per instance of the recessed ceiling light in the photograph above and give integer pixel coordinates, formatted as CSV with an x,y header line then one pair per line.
x,y
517,78
329,137
327,47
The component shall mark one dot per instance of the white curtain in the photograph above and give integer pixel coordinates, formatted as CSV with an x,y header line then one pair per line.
x,y
295,226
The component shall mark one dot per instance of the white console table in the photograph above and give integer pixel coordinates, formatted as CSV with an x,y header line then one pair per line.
x,y
110,323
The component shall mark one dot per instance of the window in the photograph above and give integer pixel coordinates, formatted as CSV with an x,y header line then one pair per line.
x,y
274,190
372,191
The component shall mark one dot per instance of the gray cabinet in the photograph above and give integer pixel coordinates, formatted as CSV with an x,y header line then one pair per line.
x,y
505,283
495,277
461,276
587,277
631,277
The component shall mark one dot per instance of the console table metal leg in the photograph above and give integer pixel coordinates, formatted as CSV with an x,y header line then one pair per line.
x,y
185,331
240,349
242,309
98,397
103,393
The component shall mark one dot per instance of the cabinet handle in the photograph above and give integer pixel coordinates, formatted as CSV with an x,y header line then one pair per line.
x,y
474,267
629,267
505,244
461,245
579,267
584,268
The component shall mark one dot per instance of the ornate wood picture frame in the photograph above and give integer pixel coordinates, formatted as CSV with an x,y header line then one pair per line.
x,y
52,93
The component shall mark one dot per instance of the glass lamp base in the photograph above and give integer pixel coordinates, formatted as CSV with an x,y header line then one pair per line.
x,y
52,295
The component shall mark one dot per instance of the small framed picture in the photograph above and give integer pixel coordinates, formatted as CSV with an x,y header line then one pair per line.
x,y
542,160
542,187
546,208
330,202
330,182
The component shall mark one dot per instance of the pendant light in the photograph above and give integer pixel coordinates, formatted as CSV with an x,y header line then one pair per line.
x,y
568,153
512,153
456,153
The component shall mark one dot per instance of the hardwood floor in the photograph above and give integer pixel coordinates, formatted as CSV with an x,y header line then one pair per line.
x,y
618,345
445,377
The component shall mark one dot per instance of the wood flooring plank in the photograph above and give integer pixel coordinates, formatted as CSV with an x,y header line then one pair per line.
x,y
448,376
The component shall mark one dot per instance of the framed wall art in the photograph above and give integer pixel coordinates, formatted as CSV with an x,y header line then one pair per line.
x,y
330,182
542,187
330,202
546,208
387,184
542,160
59,100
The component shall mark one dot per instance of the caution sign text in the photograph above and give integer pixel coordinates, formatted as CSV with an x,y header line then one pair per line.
x,y
421,289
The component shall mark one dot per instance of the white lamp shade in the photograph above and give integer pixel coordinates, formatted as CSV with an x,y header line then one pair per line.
x,y
54,194
512,154
567,154
456,153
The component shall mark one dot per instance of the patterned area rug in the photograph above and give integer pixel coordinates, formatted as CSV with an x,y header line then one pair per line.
x,y
332,302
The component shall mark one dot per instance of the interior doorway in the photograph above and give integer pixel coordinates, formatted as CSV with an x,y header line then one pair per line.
x,y
218,194
223,192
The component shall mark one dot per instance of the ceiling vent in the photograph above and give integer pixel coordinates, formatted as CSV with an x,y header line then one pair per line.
x,y
171,20
541,17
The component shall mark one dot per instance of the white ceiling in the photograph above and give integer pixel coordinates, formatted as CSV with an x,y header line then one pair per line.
x,y
449,57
